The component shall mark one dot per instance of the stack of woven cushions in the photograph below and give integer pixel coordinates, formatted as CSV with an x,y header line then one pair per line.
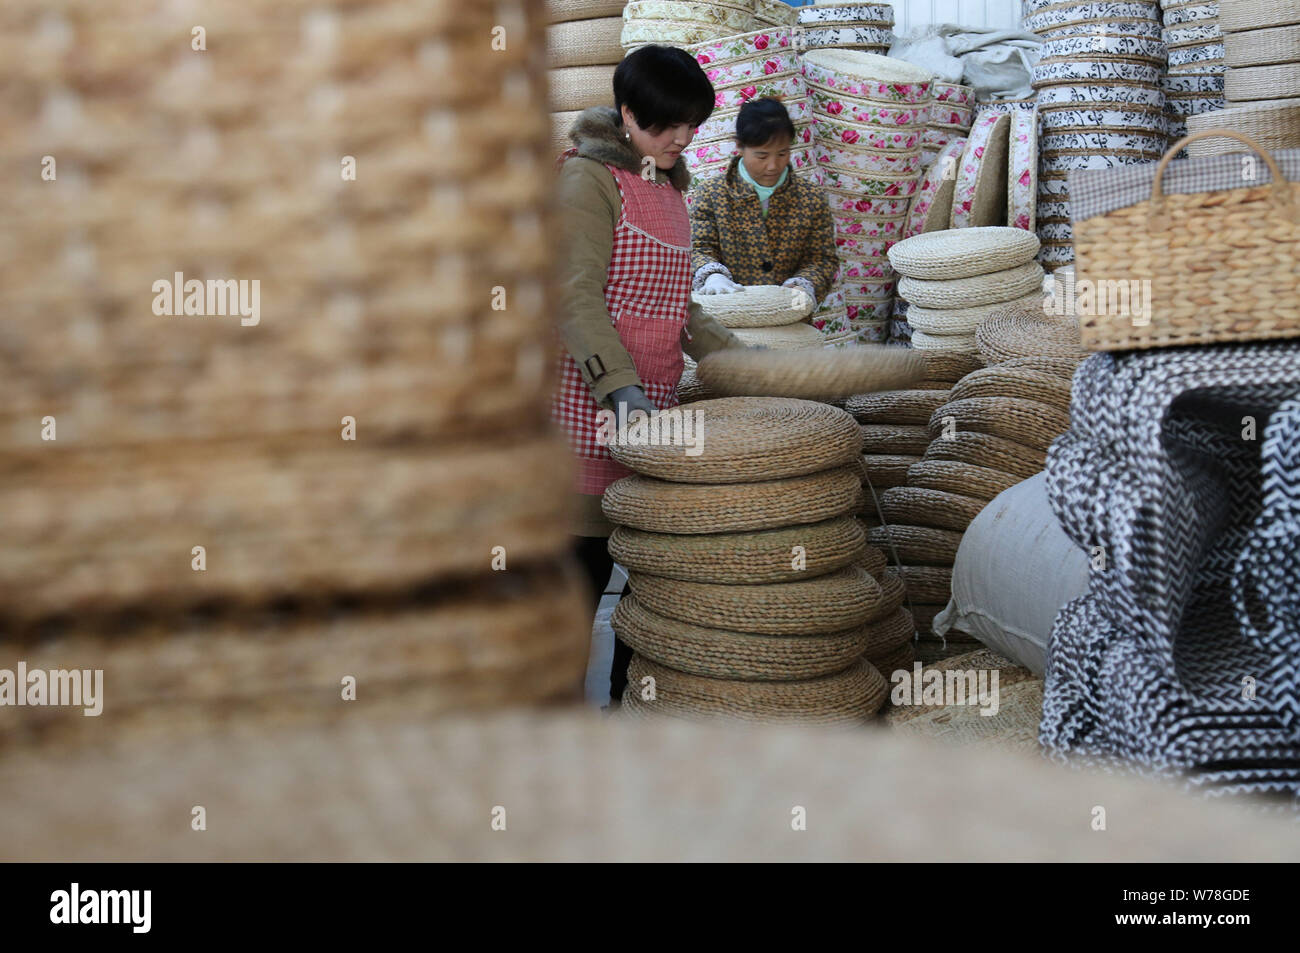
x,y
870,113
767,315
754,594
1100,100
1194,82
1182,657
234,513
1261,46
684,22
582,50
954,279
741,68
846,26
1033,329
951,115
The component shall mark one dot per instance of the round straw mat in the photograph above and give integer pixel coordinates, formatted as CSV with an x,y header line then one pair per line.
x,y
949,368
964,293
690,390
756,306
1000,381
893,660
986,450
747,439
837,601
925,583
867,66
889,633
1262,47
950,343
1013,728
1022,330
1062,367
982,483
1238,15
963,252
888,469
916,506
872,560
658,506
718,653
918,545
768,555
896,406
1281,81
789,337
1024,421
845,698
580,87
946,322
1274,125
821,375
893,595
593,42
563,11
895,438
929,384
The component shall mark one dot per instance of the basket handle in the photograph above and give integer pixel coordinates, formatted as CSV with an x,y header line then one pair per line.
x,y
1281,191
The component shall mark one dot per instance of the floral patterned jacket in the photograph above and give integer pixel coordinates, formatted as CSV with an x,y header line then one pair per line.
x,y
731,236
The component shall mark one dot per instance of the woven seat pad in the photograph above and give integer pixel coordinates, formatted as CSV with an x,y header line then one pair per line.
x,y
841,600
1062,367
591,42
949,367
894,594
746,439
889,633
884,470
923,614
822,375
1274,125
925,583
579,87
872,559
564,11
1024,421
755,306
895,439
658,506
854,65
787,337
896,406
498,639
963,321
921,507
965,293
888,662
963,252
982,483
948,343
849,697
1012,728
917,545
718,653
999,381
986,450
92,531
1023,330
690,390
744,558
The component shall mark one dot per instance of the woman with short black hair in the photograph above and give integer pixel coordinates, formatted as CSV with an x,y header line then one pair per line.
x,y
757,223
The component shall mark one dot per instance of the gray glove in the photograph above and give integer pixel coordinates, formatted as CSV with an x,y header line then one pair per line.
x,y
629,399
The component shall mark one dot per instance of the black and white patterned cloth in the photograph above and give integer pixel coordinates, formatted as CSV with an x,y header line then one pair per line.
x,y
1180,475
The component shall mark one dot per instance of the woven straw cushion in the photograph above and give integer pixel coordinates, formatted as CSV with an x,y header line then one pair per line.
x,y
756,306
562,11
822,375
593,42
872,560
982,483
963,321
922,507
837,601
887,469
925,583
917,545
1000,381
658,506
1024,421
893,660
690,390
963,252
717,653
746,439
845,698
867,66
1274,125
1062,367
986,450
788,337
889,633
896,406
763,556
923,614
948,343
580,87
1023,330
994,288
949,368
895,438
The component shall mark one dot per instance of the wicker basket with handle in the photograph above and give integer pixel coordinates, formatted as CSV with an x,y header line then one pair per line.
x,y
1216,238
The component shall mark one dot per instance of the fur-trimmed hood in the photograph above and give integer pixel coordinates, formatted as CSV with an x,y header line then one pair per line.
x,y
598,134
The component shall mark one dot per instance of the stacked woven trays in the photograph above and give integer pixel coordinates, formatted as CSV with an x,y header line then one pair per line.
x,y
870,113
742,68
199,521
684,22
867,27
754,594
582,49
1261,44
1100,100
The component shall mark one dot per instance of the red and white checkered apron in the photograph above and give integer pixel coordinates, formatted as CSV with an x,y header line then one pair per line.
x,y
647,294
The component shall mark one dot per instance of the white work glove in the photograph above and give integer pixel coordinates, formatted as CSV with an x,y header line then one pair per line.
x,y
800,299
718,284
